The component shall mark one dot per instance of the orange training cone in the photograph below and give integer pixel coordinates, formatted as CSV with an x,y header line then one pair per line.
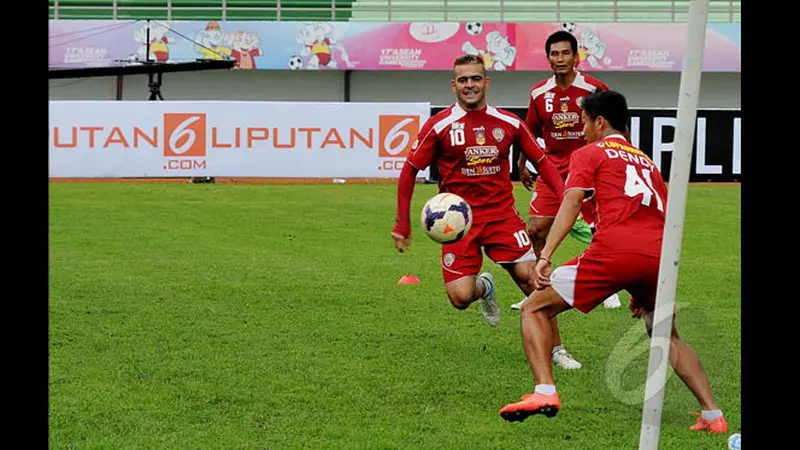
x,y
408,279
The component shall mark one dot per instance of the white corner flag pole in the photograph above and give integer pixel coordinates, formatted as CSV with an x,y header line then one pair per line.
x,y
673,229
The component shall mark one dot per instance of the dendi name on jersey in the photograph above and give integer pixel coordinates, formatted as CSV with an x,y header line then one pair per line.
x,y
480,170
566,119
628,153
481,154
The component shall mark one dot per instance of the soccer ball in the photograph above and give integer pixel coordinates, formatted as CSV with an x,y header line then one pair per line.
x,y
569,27
295,62
446,218
474,28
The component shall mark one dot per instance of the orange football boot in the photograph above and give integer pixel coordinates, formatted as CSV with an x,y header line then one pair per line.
x,y
718,425
531,404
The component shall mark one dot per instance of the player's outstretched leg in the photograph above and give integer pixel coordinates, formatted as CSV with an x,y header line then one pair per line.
x,y
537,340
464,291
687,366
523,273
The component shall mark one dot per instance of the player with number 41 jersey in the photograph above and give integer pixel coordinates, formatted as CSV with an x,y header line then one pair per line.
x,y
625,254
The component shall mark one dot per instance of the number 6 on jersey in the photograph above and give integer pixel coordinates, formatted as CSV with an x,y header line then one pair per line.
x,y
636,185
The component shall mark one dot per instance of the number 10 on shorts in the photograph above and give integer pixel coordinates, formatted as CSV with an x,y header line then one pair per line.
x,y
522,238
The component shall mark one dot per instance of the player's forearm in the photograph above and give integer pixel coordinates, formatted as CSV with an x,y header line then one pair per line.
x,y
405,190
548,172
565,219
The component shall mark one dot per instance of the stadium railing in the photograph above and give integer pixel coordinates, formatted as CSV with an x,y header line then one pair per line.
x,y
727,11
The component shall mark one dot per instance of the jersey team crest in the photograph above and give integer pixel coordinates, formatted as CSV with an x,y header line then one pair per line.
x,y
480,136
564,104
498,134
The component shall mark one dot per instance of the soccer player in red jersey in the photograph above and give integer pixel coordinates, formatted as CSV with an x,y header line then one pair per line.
x,y
554,114
470,143
630,196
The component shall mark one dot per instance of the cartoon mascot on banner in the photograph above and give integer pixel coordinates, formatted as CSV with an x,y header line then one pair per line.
x,y
210,42
592,49
319,40
159,42
499,53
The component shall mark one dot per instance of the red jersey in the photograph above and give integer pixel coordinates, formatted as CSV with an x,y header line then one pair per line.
x,y
557,113
471,150
628,191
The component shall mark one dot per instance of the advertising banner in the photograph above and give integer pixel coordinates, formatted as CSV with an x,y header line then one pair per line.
x,y
267,45
717,151
637,47
231,139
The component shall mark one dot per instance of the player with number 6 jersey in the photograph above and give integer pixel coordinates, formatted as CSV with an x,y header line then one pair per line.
x,y
554,114
470,142
625,254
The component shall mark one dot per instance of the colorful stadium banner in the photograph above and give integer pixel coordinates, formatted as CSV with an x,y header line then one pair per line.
x,y
383,46
631,47
102,139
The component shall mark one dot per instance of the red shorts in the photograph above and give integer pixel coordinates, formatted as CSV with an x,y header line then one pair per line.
x,y
585,281
545,203
505,241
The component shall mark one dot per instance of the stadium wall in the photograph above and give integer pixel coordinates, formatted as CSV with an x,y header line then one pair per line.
x,y
653,90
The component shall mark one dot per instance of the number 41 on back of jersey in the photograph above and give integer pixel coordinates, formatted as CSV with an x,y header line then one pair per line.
x,y
641,185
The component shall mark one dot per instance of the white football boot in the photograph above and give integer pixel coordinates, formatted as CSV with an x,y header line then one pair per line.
x,y
489,306
563,359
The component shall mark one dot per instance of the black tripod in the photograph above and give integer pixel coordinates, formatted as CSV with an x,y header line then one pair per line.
x,y
155,87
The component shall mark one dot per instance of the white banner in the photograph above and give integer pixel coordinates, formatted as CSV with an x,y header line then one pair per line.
x,y
232,139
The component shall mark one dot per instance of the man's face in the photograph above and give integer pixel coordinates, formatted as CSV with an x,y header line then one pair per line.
x,y
591,128
562,58
470,84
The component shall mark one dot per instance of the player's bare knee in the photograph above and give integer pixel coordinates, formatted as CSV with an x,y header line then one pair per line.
x,y
460,298
459,302
534,305
546,302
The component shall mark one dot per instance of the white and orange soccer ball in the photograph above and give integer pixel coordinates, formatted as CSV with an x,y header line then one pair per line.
x,y
446,218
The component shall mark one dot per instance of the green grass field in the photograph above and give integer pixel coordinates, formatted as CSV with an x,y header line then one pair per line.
x,y
266,316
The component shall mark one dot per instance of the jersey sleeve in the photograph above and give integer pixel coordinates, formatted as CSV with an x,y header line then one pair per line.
x,y
532,118
582,168
424,149
528,144
534,153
